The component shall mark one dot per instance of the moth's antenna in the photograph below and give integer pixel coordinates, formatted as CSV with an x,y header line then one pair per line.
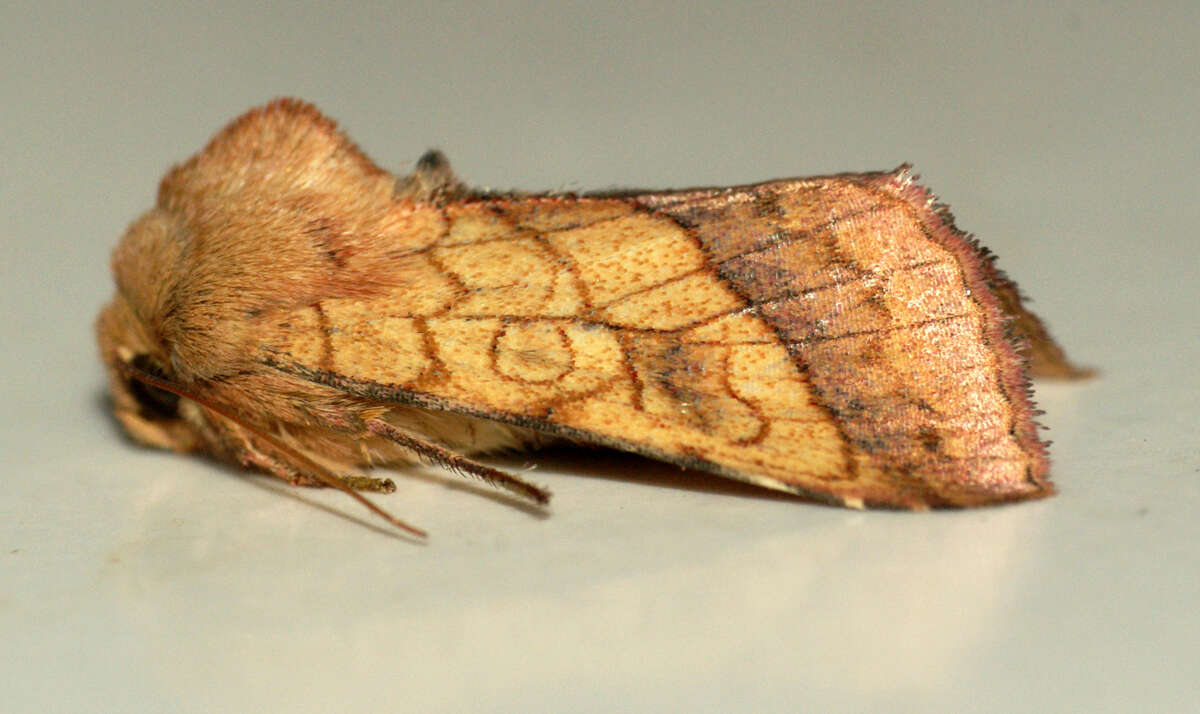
x,y
325,475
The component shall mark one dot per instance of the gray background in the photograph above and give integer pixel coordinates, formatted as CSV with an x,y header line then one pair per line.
x,y
1065,135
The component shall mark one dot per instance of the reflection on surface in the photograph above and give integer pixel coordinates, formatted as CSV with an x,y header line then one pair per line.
x,y
627,588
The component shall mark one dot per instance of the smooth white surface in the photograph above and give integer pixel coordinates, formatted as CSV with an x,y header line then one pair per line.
x,y
1066,137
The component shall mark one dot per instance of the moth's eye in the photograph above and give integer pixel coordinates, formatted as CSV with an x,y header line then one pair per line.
x,y
154,404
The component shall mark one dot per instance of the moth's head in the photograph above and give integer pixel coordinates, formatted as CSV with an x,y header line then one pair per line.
x,y
130,342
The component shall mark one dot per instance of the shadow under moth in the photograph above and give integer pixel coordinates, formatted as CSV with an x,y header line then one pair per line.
x,y
291,307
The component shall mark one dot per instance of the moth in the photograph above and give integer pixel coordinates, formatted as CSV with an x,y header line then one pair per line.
x,y
291,307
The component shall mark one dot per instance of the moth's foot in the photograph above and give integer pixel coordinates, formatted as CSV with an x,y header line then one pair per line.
x,y
298,476
358,483
370,483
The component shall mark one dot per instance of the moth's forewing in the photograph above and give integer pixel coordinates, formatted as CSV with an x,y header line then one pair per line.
x,y
834,337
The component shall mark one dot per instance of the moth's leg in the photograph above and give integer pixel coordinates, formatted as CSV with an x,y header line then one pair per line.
x,y
253,457
368,483
440,455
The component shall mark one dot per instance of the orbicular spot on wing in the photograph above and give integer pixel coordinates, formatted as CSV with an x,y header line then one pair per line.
x,y
537,352
526,368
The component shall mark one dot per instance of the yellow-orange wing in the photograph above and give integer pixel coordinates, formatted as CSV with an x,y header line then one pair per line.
x,y
834,336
